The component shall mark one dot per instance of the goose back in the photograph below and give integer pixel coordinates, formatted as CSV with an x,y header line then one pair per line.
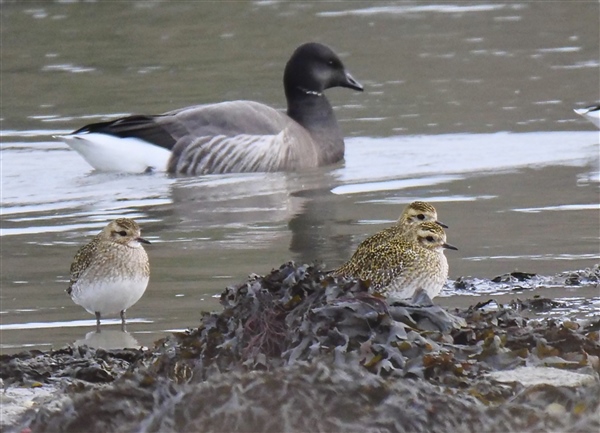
x,y
246,136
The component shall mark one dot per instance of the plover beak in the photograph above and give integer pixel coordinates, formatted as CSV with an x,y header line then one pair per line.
x,y
142,241
439,223
449,247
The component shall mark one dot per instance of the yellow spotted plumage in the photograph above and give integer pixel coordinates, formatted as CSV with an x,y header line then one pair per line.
x,y
402,261
413,214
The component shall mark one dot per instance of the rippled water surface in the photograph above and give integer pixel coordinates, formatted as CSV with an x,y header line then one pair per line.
x,y
466,105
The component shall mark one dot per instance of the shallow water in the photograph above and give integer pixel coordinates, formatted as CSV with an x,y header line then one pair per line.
x,y
468,106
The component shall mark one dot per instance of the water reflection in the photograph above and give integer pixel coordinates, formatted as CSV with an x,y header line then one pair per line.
x,y
107,339
58,324
231,200
415,9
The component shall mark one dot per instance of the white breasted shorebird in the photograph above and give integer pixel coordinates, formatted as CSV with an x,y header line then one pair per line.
x,y
111,273
403,264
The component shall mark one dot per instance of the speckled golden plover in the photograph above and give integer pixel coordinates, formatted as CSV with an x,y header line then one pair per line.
x,y
111,273
415,213
402,264
418,212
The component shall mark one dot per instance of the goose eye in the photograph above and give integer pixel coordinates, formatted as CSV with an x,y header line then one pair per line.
x,y
429,238
421,216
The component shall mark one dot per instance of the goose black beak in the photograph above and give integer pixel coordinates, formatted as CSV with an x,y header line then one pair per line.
x,y
351,83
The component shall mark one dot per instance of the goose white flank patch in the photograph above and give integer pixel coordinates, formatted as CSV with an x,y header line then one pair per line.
x,y
591,113
234,136
106,152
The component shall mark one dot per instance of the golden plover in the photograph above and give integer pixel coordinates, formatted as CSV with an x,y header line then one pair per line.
x,y
415,213
404,263
111,273
418,212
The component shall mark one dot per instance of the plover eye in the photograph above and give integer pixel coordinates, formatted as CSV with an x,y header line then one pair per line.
x,y
421,216
123,233
429,238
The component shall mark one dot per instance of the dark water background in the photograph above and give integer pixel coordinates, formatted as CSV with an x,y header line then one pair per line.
x,y
467,105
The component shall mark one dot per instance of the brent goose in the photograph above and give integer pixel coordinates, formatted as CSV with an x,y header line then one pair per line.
x,y
234,136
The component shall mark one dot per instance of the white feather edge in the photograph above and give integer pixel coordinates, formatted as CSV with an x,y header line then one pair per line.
x,y
590,113
114,154
263,151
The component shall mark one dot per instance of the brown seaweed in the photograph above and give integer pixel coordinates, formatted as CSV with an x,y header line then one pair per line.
x,y
299,350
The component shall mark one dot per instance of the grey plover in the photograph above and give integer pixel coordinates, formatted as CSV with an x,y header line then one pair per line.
x,y
111,273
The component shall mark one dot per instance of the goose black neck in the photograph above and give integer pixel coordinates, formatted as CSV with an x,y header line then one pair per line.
x,y
310,109
313,111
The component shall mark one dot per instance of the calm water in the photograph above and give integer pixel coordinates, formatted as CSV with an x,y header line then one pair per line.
x,y
467,105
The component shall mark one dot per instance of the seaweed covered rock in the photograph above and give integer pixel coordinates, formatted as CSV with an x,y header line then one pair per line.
x,y
67,366
299,350
300,313
513,281
318,397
